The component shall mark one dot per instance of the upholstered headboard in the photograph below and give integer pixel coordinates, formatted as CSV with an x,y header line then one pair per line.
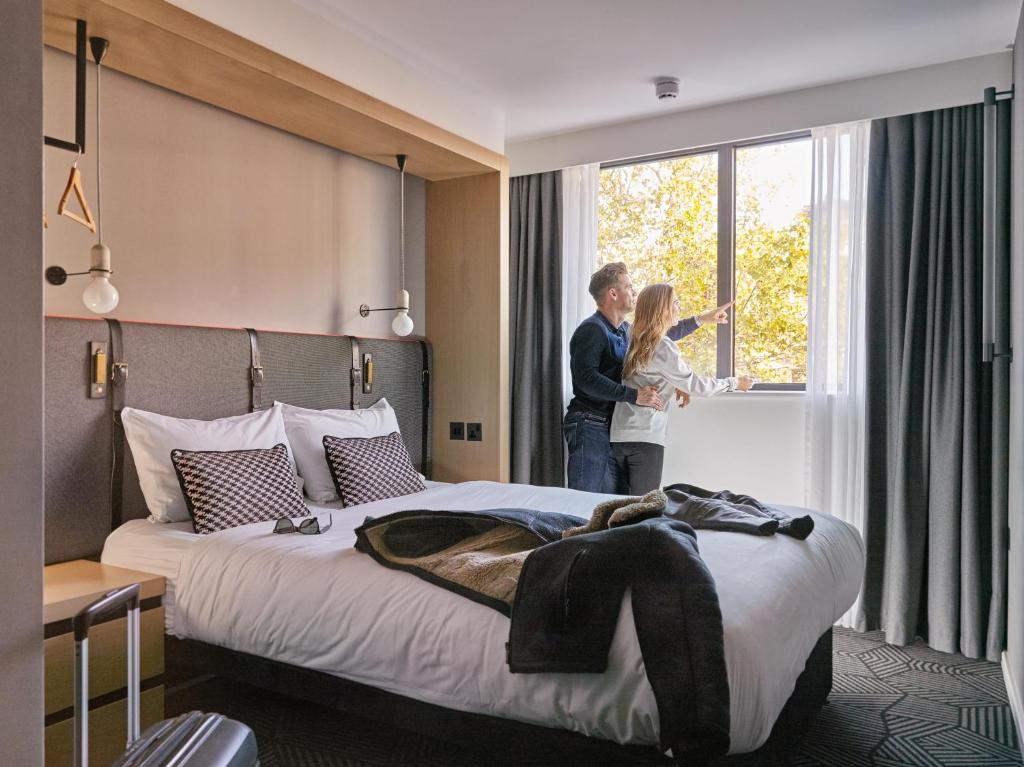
x,y
197,372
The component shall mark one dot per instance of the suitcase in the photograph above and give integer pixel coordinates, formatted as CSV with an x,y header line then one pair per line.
x,y
194,739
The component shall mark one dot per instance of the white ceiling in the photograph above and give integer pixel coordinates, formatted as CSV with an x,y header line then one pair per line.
x,y
558,65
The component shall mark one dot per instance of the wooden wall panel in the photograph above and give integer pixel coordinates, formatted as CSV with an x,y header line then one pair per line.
x,y
467,315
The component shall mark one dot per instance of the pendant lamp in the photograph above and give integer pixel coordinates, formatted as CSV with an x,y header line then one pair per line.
x,y
402,324
99,296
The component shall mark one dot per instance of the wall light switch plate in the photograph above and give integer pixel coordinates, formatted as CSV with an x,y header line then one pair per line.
x,y
475,432
456,430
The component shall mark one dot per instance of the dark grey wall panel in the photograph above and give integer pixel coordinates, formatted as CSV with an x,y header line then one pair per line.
x,y
183,372
21,326
78,434
306,370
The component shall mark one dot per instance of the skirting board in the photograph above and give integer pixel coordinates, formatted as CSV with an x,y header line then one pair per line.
x,y
1013,693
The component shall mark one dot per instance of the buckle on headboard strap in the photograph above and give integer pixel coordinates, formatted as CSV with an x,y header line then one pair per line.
x,y
255,371
119,385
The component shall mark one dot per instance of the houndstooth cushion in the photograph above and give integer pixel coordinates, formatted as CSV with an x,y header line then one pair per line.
x,y
229,488
368,469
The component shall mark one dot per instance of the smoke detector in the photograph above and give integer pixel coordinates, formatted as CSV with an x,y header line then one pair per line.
x,y
666,88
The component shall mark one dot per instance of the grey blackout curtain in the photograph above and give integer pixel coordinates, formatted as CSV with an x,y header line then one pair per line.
x,y
535,329
935,527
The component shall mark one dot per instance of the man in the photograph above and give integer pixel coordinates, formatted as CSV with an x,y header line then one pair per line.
x,y
596,352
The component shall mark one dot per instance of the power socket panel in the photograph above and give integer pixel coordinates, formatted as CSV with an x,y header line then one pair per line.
x,y
456,430
475,432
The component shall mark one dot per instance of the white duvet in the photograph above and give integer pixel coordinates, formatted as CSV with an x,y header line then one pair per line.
x,y
314,601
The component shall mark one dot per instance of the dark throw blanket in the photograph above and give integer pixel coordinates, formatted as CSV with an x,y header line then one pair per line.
x,y
568,595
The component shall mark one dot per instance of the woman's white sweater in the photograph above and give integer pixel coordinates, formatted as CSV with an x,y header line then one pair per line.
x,y
667,371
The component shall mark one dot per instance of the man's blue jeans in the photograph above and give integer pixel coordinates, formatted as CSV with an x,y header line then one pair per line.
x,y
592,466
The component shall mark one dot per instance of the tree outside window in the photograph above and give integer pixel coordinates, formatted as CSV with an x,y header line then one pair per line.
x,y
661,218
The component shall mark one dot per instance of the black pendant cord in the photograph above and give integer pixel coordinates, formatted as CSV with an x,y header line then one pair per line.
x,y
99,48
401,258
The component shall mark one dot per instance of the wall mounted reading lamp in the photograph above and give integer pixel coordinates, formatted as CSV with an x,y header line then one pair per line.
x,y
99,296
402,324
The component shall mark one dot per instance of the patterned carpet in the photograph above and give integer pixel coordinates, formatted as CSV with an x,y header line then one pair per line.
x,y
910,706
889,706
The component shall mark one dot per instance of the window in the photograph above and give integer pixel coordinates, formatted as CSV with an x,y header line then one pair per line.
x,y
733,221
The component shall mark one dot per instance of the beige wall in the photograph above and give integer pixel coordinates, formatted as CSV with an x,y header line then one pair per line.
x,y
21,326
214,219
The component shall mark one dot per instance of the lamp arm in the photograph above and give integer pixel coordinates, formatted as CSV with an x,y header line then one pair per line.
x,y
56,275
365,310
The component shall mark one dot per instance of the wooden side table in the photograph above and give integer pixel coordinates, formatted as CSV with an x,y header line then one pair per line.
x,y
67,588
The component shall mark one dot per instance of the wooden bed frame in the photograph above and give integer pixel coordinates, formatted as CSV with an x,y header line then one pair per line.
x,y
533,744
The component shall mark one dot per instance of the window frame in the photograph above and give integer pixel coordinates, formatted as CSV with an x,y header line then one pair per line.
x,y
725,338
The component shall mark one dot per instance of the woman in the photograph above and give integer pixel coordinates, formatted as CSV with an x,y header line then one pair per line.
x,y
638,433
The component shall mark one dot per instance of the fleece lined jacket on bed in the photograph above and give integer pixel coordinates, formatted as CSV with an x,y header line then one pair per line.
x,y
567,602
567,605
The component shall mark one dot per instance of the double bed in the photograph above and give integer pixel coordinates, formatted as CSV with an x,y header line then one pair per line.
x,y
311,616
315,602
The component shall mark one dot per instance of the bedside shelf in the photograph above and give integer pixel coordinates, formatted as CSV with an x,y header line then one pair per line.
x,y
67,588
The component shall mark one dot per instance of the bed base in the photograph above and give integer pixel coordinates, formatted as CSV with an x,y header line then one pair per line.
x,y
533,744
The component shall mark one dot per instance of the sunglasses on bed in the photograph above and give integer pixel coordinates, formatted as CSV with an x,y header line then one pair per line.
x,y
310,526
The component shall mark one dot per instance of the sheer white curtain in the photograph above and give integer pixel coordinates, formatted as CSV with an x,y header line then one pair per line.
x,y
579,255
836,339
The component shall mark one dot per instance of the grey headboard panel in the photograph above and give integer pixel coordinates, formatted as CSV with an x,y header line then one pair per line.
x,y
183,372
195,372
398,377
306,370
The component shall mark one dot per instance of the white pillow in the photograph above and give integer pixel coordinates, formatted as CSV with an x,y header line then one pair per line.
x,y
307,428
152,437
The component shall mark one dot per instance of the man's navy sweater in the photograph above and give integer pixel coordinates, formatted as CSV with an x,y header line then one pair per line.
x,y
596,353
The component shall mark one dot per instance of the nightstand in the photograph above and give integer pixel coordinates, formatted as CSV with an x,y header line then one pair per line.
x,y
67,588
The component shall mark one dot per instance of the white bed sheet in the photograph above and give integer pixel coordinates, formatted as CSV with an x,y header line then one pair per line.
x,y
314,601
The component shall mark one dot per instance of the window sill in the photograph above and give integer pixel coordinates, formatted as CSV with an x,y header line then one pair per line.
x,y
770,393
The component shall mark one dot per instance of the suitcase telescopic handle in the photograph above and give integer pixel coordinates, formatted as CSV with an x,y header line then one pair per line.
x,y
127,596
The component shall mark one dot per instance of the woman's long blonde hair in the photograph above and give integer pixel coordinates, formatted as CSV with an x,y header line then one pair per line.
x,y
651,320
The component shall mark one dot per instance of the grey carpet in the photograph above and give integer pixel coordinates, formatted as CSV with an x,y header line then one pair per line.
x,y
889,706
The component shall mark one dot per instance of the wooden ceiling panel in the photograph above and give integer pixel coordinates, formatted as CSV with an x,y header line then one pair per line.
x,y
167,46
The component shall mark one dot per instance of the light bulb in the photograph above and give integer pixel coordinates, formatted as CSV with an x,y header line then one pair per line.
x,y
100,296
402,323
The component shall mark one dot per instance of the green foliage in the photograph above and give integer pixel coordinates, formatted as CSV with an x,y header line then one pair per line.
x,y
661,219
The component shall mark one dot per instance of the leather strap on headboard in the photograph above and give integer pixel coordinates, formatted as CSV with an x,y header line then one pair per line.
x,y
255,371
119,384
425,387
356,376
